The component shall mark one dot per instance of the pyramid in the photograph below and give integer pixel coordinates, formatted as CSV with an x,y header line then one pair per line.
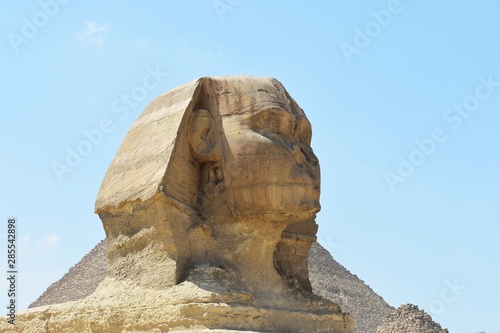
x,y
409,318
333,281
81,280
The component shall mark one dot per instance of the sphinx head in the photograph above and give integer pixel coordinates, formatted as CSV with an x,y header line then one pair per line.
x,y
213,171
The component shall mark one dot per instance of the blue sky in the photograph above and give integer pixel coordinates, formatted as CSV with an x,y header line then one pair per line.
x,y
403,97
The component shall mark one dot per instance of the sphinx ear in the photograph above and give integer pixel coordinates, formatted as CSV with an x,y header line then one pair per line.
x,y
202,136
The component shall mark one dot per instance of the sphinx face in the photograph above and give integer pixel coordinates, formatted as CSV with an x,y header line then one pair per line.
x,y
270,167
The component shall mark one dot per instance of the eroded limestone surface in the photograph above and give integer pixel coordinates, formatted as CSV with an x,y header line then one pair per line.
x,y
209,209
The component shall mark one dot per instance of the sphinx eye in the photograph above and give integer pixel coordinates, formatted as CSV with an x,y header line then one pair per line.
x,y
274,121
302,131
